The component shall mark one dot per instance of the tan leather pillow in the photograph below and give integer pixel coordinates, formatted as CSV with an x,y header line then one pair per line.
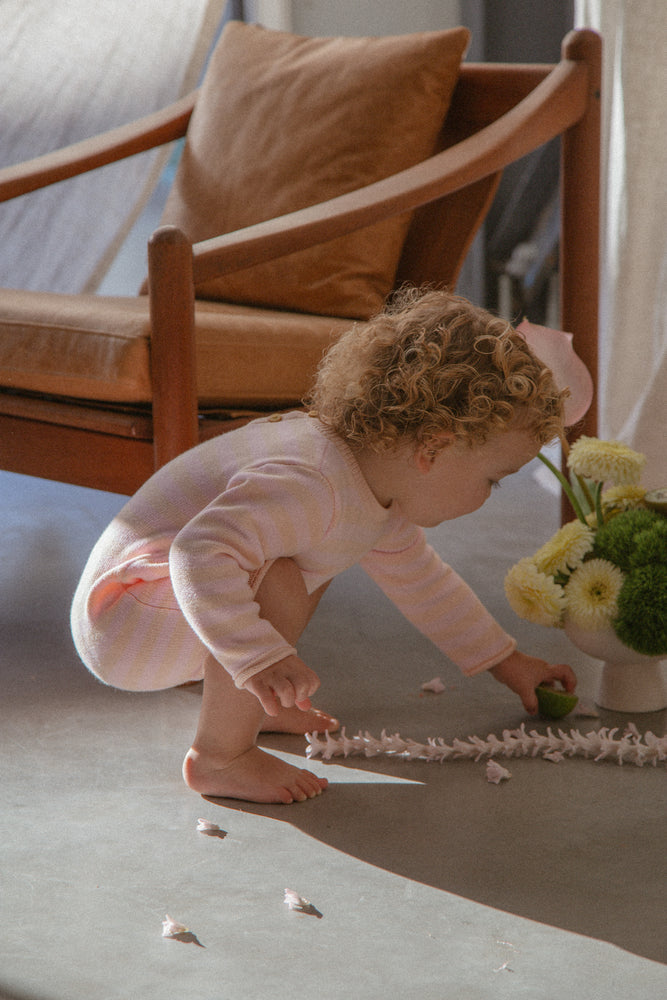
x,y
285,121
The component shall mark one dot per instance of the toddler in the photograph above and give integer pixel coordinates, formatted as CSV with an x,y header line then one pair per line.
x,y
214,568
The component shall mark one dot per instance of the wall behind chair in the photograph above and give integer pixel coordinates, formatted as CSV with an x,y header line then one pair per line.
x,y
382,17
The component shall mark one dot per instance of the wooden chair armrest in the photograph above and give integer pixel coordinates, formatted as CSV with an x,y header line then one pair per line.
x,y
145,133
558,102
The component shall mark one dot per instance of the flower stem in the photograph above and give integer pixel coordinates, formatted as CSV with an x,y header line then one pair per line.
x,y
598,505
569,492
585,491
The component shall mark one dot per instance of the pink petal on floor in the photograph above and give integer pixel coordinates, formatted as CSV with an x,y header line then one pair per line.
x,y
496,773
206,826
436,686
170,927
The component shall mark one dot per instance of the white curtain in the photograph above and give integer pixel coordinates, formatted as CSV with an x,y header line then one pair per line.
x,y
70,69
634,225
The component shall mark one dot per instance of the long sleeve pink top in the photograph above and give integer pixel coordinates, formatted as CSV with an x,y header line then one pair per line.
x,y
210,520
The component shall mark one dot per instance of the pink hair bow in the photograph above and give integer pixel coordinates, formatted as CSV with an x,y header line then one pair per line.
x,y
554,348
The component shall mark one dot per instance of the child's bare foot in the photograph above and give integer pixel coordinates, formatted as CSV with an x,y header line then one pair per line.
x,y
293,720
254,776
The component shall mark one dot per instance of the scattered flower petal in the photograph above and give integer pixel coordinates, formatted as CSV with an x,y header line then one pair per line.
x,y
587,709
171,927
296,902
505,967
206,826
496,773
209,829
435,686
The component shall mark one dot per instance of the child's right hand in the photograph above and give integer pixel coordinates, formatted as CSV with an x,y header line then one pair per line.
x,y
522,674
286,683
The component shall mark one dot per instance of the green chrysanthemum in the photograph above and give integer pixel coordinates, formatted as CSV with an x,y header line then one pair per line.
x,y
651,545
534,595
642,611
616,540
605,461
592,594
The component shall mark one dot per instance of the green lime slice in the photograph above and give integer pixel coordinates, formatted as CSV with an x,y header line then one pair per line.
x,y
657,500
554,704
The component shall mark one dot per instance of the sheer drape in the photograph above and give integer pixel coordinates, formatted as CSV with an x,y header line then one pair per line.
x,y
69,70
634,225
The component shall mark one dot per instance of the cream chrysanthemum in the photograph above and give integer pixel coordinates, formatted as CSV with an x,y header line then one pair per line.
x,y
534,595
592,594
566,549
630,494
620,498
605,461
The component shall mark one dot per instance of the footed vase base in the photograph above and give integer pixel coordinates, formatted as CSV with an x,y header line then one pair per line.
x,y
640,687
630,681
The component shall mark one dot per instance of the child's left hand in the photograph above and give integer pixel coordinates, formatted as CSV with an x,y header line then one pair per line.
x,y
522,674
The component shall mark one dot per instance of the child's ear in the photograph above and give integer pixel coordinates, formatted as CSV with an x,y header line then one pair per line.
x,y
427,451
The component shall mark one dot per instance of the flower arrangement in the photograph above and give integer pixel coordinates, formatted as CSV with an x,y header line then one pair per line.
x,y
608,567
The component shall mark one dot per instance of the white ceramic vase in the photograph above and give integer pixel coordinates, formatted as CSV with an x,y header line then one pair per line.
x,y
630,682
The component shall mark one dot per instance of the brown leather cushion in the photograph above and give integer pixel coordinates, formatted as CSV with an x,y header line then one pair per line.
x,y
283,122
97,347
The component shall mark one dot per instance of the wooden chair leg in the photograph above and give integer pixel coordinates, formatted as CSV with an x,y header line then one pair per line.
x,y
173,358
580,210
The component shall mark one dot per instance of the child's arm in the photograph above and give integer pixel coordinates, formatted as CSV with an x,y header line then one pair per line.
x,y
434,598
288,682
522,674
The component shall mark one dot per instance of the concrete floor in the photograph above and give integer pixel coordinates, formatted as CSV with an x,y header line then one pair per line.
x,y
428,881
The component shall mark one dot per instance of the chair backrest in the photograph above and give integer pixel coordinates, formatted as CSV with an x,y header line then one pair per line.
x,y
442,232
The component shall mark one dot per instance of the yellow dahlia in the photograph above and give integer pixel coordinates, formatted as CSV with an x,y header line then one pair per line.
x,y
592,594
566,549
605,461
534,595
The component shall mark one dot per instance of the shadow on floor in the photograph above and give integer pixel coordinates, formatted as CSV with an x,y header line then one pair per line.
x,y
512,846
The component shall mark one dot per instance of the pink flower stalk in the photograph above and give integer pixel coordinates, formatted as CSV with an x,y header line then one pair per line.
x,y
554,348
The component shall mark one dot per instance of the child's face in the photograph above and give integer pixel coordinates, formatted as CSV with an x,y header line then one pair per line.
x,y
459,478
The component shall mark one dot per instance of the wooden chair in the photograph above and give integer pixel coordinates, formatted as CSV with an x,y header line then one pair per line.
x,y
498,113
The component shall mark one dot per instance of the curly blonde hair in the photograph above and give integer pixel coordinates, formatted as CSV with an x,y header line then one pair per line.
x,y
433,363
